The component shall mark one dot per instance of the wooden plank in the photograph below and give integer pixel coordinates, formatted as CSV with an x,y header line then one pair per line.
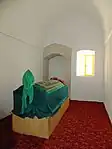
x,y
28,126
53,121
38,127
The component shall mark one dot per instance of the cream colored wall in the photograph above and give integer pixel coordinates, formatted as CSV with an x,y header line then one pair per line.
x,y
20,47
82,32
105,8
108,74
28,21
24,19
58,67
57,49
108,77
15,58
51,52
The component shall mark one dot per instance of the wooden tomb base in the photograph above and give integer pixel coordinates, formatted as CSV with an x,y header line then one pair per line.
x,y
38,127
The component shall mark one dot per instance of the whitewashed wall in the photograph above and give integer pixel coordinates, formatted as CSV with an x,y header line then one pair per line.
x,y
80,31
35,24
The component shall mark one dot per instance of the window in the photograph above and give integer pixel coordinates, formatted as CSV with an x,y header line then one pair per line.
x,y
85,63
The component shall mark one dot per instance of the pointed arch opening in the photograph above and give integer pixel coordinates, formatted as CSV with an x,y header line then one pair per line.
x,y
57,63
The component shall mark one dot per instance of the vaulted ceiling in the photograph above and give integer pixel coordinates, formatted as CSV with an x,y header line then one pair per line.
x,y
29,19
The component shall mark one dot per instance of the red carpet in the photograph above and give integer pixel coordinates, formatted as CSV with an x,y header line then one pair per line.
x,y
84,126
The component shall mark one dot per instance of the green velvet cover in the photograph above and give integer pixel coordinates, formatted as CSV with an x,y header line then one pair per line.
x,y
28,89
46,102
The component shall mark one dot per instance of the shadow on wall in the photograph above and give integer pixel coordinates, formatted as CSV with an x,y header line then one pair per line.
x,y
2,114
58,68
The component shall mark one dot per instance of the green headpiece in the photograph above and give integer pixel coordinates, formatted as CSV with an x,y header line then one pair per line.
x,y
28,90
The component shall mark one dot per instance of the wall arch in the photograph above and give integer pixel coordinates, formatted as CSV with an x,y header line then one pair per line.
x,y
58,67
55,50
81,30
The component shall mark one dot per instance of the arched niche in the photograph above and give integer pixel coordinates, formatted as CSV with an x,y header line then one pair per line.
x,y
58,67
52,51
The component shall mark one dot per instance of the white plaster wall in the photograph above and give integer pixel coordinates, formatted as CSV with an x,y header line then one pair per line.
x,y
20,47
81,31
58,67
24,19
27,21
105,8
58,49
15,58
51,54
108,75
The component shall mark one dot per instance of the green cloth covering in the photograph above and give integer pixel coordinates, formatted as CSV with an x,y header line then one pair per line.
x,y
42,99
45,103
28,90
49,84
50,90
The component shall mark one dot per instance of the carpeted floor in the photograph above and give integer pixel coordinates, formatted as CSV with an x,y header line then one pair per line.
x,y
84,126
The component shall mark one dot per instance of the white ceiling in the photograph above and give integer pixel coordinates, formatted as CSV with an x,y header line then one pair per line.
x,y
28,19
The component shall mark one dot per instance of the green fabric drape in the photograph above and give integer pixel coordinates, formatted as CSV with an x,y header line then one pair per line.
x,y
28,90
